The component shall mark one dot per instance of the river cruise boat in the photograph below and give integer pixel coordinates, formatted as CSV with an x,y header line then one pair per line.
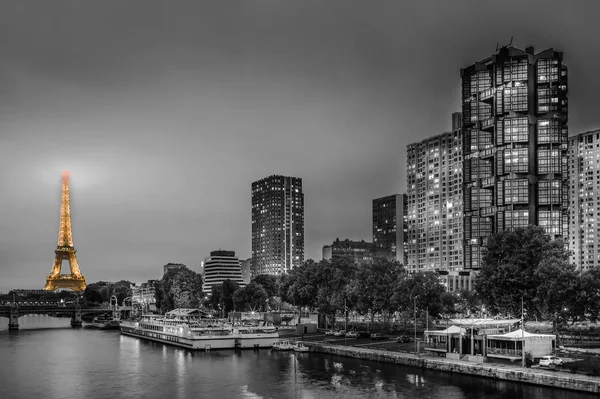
x,y
300,347
188,329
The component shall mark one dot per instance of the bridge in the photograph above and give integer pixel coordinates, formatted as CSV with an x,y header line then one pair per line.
x,y
14,310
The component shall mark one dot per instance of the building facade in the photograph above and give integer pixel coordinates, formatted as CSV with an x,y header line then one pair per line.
x,y
220,266
359,251
389,226
277,225
434,202
584,184
514,146
246,270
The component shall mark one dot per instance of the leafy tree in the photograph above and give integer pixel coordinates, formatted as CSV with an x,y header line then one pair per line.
x,y
251,297
588,294
180,288
556,292
469,301
372,288
422,289
215,296
268,282
508,269
92,295
228,288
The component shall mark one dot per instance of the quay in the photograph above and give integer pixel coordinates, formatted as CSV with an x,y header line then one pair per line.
x,y
506,372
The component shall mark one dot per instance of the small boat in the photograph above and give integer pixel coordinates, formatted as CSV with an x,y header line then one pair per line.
x,y
300,347
283,346
106,322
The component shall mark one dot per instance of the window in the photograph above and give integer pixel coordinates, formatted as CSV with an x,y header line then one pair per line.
x,y
515,130
515,98
516,160
515,219
551,221
516,191
548,131
549,192
515,69
549,161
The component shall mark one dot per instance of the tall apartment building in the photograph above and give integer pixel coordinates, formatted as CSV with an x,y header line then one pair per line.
x,y
246,270
277,225
220,266
584,183
359,251
514,145
434,202
173,266
389,227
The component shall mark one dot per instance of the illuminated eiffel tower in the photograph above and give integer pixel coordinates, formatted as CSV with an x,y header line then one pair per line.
x,y
65,249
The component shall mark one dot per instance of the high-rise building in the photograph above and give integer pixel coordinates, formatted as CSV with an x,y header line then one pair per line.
x,y
389,227
220,266
434,202
173,266
359,251
514,146
246,270
277,225
584,183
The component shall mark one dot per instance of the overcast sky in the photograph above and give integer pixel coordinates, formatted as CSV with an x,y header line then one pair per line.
x,y
164,112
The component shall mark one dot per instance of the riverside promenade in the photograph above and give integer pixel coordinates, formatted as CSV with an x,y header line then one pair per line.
x,y
507,372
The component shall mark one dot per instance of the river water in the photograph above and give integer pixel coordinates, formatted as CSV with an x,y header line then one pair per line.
x,y
48,359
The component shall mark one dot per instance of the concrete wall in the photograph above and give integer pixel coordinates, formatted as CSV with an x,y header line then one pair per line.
x,y
576,382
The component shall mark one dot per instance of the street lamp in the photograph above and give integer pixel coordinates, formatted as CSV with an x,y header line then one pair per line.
x,y
415,309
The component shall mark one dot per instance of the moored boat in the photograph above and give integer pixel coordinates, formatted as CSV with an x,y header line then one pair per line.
x,y
106,322
283,346
300,347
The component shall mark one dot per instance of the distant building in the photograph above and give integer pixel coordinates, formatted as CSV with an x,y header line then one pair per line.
x,y
173,266
434,216
389,227
456,281
246,270
277,225
220,266
515,137
360,251
145,293
584,183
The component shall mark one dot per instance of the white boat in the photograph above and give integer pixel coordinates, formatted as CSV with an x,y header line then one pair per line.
x,y
283,346
255,337
105,322
300,347
193,332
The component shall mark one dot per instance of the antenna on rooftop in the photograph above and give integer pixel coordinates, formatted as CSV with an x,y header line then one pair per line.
x,y
508,45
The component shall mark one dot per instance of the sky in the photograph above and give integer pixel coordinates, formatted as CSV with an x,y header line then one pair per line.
x,y
165,112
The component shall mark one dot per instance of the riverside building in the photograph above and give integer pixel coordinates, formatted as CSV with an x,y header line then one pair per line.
x,y
434,202
277,225
389,226
359,251
514,146
220,266
584,183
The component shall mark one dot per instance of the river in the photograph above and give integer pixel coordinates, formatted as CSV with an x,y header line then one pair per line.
x,y
48,359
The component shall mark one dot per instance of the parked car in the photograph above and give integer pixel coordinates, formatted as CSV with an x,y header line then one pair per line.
x,y
340,333
378,337
363,334
403,338
351,334
547,361
330,332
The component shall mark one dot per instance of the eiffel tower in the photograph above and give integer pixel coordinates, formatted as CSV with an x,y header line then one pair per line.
x,y
65,249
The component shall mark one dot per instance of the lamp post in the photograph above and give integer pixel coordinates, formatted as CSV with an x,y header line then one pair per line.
x,y
415,309
522,334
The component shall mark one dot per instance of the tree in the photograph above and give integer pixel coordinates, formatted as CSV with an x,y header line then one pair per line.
x,y
556,297
228,288
268,282
251,297
508,269
180,288
422,289
588,294
373,287
92,295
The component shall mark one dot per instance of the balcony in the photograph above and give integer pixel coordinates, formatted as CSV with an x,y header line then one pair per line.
x,y
488,181
487,95
487,211
487,153
487,124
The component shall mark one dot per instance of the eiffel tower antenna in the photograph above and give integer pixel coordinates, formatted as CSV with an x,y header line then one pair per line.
x,y
65,249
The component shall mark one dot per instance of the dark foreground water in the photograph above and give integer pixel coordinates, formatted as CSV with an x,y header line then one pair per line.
x,y
48,359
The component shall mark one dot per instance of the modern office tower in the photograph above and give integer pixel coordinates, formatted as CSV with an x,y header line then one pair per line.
x,y
514,146
220,266
389,226
584,183
434,203
277,225
359,251
246,270
173,266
